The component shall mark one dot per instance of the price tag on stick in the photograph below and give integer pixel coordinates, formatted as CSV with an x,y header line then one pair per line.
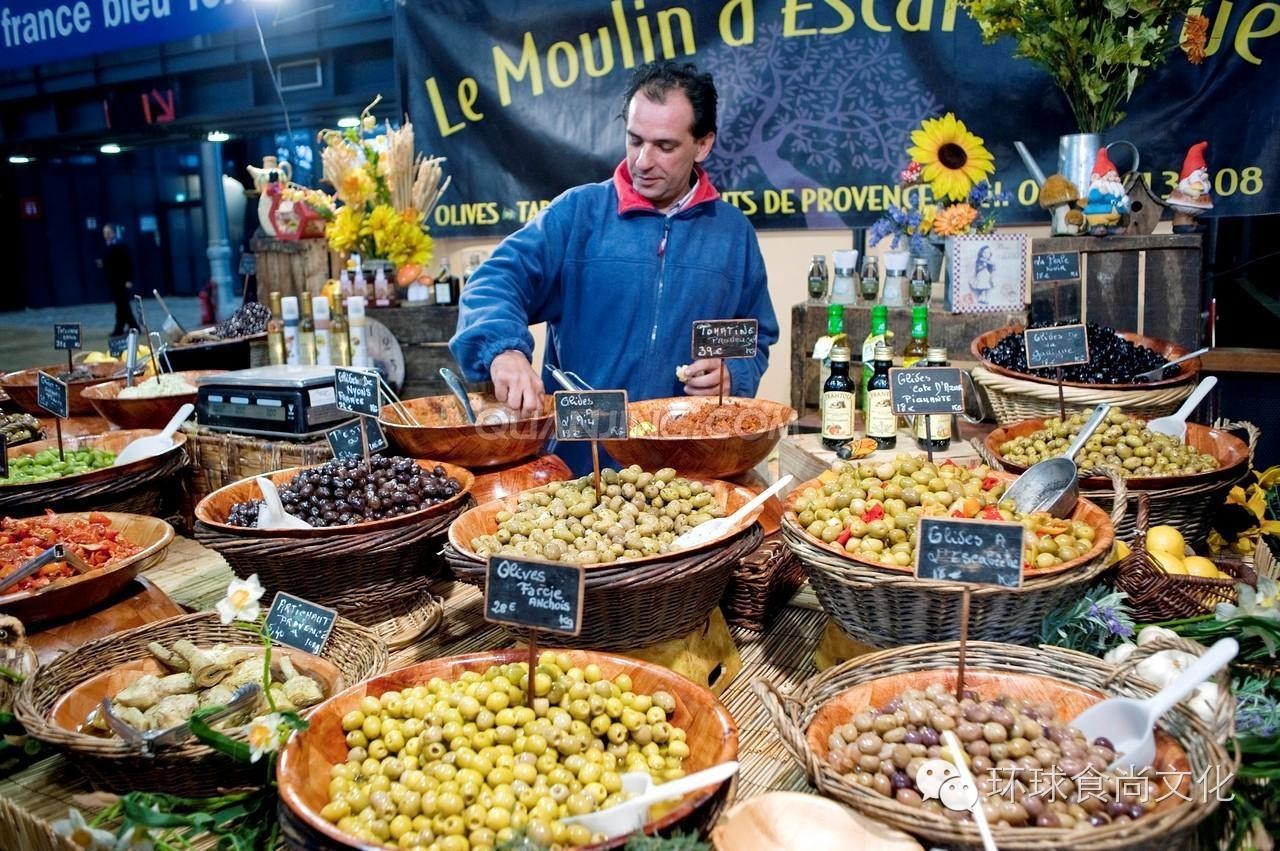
x,y
345,440
300,623
925,390
536,595
1059,346
970,552
51,394
725,339
592,415
66,335
359,391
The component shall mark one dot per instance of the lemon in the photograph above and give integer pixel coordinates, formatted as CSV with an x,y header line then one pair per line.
x,y
1166,539
1170,563
1202,567
1120,552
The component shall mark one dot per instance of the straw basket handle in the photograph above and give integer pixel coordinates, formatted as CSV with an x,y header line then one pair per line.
x,y
1241,425
782,709
1120,492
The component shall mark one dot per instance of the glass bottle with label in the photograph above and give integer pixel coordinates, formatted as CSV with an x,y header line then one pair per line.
x,y
869,283
918,348
835,336
289,310
473,263
838,395
842,284
919,285
936,436
818,278
275,332
320,307
445,286
882,424
306,333
879,334
356,332
339,335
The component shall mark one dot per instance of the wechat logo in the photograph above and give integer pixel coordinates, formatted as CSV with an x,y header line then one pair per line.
x,y
940,779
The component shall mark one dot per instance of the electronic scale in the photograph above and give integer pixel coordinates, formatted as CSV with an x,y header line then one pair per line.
x,y
275,401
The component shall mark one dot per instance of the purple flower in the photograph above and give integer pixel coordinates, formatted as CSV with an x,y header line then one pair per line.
x,y
1108,617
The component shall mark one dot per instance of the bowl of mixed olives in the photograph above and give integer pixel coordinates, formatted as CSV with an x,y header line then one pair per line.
x,y
455,753
1123,443
342,496
869,512
1115,359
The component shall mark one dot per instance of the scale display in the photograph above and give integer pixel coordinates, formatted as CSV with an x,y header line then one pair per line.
x,y
273,413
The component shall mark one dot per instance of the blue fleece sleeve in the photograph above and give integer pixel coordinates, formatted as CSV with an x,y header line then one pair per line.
x,y
518,286
745,373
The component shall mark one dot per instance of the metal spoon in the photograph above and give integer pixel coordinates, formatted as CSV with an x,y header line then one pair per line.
x,y
1157,374
1051,485
131,359
1175,425
460,390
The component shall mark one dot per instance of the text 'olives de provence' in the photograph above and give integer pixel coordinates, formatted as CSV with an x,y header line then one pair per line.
x,y
872,509
638,515
471,764
341,493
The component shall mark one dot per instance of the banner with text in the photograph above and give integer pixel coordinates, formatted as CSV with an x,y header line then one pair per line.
x,y
817,100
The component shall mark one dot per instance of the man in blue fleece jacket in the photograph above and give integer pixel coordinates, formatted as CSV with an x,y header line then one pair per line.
x,y
621,269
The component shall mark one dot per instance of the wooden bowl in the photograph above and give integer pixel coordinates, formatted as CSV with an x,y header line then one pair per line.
x,y
1086,511
1186,370
744,435
497,482
62,599
443,431
113,441
21,387
74,708
787,821
480,521
303,770
1232,454
214,508
154,412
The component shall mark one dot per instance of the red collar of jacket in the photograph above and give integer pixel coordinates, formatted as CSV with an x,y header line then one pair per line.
x,y
630,201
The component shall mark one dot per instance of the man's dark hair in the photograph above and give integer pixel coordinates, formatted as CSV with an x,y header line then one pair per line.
x,y
657,78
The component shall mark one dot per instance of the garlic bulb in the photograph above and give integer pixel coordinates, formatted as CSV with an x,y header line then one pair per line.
x,y
1153,633
1118,654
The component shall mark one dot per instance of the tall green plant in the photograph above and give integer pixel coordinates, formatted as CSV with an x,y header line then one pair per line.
x,y
1096,51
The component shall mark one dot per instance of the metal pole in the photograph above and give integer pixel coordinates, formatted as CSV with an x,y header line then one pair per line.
x,y
215,217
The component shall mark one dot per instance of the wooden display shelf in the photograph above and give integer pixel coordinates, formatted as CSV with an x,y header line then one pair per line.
x,y
423,332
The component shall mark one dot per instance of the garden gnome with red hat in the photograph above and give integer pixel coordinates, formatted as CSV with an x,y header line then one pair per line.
x,y
1191,197
1107,202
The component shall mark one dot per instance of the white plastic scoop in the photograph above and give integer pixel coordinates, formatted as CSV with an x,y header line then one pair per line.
x,y
632,814
145,447
271,514
713,529
1130,723
1175,425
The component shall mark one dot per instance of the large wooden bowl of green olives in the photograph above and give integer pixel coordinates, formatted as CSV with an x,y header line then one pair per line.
x,y
869,512
86,459
453,753
1145,459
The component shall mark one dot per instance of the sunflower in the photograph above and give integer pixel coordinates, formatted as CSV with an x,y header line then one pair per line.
x,y
953,158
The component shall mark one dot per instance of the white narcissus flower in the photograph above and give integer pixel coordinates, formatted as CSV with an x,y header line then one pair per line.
x,y
241,602
136,839
264,736
76,829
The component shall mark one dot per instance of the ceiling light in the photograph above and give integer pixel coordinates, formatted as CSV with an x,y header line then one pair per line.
x,y
218,136
19,159
110,148
349,121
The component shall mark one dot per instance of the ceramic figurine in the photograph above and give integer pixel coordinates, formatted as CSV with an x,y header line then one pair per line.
x,y
1107,203
272,171
1057,195
1191,198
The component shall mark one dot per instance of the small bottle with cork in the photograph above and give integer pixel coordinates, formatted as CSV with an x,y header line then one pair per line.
x,y
935,436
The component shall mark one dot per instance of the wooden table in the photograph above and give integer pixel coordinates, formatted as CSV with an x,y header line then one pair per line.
x,y
803,456
141,602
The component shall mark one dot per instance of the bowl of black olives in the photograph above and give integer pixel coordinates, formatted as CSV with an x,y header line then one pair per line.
x,y
342,496
1115,359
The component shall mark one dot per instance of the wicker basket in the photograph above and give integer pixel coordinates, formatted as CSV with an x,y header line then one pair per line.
x,y
367,572
1156,596
1012,399
219,459
792,714
761,584
1187,502
22,831
151,487
628,607
1223,724
1264,561
189,768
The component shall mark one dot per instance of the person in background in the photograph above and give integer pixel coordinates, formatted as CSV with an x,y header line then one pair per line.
x,y
117,265
621,269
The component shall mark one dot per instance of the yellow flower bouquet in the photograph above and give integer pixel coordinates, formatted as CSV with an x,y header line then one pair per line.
x,y
386,191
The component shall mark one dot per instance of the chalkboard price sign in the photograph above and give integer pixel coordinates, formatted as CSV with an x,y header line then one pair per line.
x,y
300,623
66,335
725,338
357,391
117,345
345,439
1062,345
591,415
533,594
981,552
51,394
1057,266
926,390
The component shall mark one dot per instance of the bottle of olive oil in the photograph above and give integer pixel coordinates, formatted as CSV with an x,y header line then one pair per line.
x,y
838,395
339,339
882,425
937,436
306,333
879,334
918,347
275,331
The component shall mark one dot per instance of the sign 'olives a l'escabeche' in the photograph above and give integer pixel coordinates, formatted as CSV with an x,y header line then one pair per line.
x,y
980,552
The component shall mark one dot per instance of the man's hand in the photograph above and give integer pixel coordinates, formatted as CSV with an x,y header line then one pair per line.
x,y
515,384
707,377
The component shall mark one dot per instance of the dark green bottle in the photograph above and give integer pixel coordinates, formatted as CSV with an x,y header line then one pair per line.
x,y
882,423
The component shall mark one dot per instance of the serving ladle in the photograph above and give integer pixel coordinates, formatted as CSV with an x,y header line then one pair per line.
x,y
632,814
1175,425
1051,485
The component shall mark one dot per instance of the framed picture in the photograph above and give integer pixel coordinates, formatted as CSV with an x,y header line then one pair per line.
x,y
987,274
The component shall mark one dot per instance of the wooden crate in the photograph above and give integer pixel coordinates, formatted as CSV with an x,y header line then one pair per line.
x,y
288,267
423,332
1147,284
